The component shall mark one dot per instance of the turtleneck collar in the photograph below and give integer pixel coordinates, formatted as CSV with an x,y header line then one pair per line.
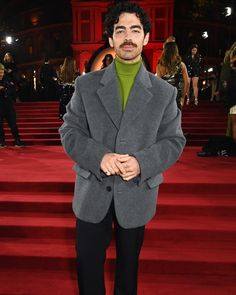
x,y
127,69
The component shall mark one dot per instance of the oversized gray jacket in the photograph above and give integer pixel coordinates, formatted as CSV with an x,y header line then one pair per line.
x,y
149,129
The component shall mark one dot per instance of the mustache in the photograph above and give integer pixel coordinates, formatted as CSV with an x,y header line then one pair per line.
x,y
128,43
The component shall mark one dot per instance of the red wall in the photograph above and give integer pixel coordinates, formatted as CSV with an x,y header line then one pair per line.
x,y
88,28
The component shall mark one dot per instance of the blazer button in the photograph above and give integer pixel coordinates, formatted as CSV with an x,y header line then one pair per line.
x,y
108,188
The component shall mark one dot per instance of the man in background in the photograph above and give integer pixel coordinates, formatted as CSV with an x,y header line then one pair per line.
x,y
48,80
7,109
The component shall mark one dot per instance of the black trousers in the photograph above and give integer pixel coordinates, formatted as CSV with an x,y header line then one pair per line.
x,y
92,241
7,111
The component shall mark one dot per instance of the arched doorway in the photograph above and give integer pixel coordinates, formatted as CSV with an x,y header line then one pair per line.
x,y
95,62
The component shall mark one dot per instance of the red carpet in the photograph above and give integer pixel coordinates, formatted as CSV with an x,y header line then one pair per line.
x,y
189,247
38,122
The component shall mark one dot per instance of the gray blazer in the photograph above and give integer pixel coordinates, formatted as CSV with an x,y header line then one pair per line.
x,y
149,129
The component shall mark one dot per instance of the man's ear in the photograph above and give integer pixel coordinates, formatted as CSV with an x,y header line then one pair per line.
x,y
146,39
111,42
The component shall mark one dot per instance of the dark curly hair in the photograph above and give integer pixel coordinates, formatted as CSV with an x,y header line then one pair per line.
x,y
114,12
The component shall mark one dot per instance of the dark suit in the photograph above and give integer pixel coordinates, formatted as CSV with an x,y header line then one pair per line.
x,y
7,109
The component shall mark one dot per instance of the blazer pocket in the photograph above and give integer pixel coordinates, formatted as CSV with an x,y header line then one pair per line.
x,y
155,180
81,172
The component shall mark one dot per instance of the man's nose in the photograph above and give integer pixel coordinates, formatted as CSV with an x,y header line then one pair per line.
x,y
127,34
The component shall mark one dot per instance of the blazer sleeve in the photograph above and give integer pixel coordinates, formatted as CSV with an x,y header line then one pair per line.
x,y
169,143
76,139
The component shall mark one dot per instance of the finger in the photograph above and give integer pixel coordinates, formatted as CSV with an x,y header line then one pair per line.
x,y
128,174
123,155
123,158
113,168
121,168
106,170
129,178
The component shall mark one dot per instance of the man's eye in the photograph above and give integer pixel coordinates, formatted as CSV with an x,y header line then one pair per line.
x,y
135,31
119,31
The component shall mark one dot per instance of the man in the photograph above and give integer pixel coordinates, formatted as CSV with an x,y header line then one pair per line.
x,y
122,129
7,109
48,78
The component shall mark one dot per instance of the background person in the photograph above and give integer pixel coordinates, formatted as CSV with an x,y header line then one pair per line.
x,y
173,70
232,97
225,75
193,64
67,75
11,73
7,109
108,58
48,80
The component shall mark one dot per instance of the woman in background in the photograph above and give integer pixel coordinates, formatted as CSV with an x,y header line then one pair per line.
x,y
67,75
193,64
107,60
225,74
173,70
68,71
231,131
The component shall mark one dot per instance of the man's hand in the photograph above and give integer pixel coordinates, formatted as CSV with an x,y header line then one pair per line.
x,y
111,164
132,168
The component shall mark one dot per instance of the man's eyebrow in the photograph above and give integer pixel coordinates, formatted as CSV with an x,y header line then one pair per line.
x,y
119,27
132,27
136,27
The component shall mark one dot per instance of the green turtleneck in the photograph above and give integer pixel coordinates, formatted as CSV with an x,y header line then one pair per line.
x,y
126,74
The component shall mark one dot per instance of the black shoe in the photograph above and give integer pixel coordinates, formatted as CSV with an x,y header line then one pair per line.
x,y
2,145
206,154
19,143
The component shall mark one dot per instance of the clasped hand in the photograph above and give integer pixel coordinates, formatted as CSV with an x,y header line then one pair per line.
x,y
125,166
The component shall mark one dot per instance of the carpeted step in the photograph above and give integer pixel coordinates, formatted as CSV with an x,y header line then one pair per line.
x,y
64,282
215,228
39,119
35,125
37,142
34,130
67,186
168,204
42,135
203,124
204,129
164,258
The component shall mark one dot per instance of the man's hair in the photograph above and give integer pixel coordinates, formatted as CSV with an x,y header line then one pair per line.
x,y
2,67
114,12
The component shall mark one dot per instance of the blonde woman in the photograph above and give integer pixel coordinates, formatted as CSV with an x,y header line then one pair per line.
x,y
232,96
67,77
68,70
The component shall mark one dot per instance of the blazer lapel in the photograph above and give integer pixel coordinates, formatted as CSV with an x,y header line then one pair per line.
x,y
110,96
138,98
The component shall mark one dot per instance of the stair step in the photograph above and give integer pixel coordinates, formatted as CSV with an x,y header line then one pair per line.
x,y
166,258
26,280
161,227
179,204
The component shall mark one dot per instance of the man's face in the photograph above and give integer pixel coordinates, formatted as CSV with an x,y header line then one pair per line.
x,y
128,38
1,74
